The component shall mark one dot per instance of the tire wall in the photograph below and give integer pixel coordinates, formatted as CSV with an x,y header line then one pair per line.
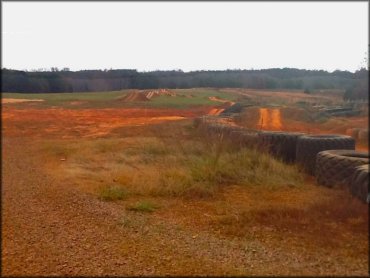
x,y
359,183
310,145
330,158
336,167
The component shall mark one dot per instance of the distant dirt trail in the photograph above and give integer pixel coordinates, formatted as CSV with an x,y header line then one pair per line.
x,y
270,119
264,118
218,111
276,119
18,100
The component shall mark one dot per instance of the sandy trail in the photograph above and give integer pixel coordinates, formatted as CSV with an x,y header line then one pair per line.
x,y
269,119
215,111
218,111
18,100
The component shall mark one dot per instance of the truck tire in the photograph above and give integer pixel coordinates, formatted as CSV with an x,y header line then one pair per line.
x,y
281,145
336,167
359,184
308,146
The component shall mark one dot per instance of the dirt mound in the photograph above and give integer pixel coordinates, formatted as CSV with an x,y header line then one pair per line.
x,y
147,95
160,92
135,96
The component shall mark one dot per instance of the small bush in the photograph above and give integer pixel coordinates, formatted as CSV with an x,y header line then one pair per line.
x,y
307,91
112,193
144,206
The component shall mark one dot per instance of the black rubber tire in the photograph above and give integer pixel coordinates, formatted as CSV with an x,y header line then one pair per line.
x,y
336,167
359,184
250,140
214,129
308,146
235,135
244,138
281,145
228,130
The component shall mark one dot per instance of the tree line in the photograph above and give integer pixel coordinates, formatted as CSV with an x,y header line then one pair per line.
x,y
56,81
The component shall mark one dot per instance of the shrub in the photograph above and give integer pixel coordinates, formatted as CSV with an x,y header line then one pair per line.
x,y
112,193
144,206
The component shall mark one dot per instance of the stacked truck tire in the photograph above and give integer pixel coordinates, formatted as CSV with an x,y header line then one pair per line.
x,y
331,158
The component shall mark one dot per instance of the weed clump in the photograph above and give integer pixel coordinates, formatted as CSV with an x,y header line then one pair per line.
x,y
144,206
112,193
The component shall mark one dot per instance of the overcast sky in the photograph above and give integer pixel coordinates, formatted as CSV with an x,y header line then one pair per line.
x,y
184,35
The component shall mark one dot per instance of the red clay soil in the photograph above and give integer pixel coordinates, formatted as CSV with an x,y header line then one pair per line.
x,y
50,227
72,123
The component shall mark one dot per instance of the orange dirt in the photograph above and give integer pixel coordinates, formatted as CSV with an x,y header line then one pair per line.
x,y
88,123
221,100
269,119
18,100
216,111
65,231
281,119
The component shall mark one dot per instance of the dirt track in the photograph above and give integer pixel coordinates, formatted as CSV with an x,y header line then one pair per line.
x,y
18,100
50,227
270,119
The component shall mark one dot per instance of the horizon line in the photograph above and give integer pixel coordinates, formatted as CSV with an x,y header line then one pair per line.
x,y
66,69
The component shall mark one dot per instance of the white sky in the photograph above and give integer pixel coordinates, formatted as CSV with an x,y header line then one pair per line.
x,y
184,35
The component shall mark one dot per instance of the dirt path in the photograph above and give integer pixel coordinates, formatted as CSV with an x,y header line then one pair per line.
x,y
18,100
52,229
269,119
218,111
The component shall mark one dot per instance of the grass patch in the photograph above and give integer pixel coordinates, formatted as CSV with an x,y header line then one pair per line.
x,y
112,193
184,99
174,161
143,206
61,97
58,149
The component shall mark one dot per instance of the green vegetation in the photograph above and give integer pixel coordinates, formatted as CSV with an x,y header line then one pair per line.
x,y
114,80
183,99
173,160
112,193
144,206
60,97
191,97
72,100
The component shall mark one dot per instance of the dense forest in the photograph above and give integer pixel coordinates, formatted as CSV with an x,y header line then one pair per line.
x,y
355,84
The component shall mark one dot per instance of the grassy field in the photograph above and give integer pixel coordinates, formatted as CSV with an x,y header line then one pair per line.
x,y
183,99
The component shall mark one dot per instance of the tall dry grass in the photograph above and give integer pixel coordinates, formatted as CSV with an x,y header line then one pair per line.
x,y
174,160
